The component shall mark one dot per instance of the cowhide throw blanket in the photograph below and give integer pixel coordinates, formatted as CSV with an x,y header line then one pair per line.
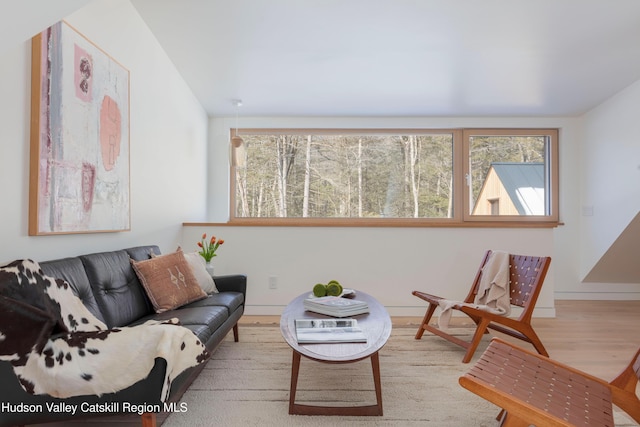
x,y
57,347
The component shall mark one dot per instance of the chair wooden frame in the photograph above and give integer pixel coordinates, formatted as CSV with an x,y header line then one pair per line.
x,y
533,389
526,276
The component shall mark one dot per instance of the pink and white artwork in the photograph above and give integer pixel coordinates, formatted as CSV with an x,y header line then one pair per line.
x,y
79,136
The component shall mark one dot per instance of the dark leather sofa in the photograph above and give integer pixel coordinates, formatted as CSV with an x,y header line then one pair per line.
x,y
108,286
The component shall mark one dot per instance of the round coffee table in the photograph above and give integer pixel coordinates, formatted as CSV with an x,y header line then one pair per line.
x,y
376,326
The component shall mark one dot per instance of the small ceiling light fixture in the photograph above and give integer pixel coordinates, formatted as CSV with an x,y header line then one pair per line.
x,y
237,143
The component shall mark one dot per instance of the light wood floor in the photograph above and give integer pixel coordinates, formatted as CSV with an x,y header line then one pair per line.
x,y
598,337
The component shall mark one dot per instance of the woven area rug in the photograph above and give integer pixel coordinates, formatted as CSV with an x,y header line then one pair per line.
x,y
247,384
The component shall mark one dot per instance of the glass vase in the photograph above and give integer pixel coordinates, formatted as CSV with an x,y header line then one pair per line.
x,y
209,268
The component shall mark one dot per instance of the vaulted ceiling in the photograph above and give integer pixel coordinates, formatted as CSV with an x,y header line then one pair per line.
x,y
400,57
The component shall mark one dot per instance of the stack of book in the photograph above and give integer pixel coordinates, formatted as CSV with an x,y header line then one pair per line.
x,y
324,331
336,306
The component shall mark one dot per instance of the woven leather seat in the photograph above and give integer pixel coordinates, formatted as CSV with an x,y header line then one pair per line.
x,y
534,389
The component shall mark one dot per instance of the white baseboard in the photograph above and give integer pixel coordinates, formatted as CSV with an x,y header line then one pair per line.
x,y
598,296
276,310
419,311
263,310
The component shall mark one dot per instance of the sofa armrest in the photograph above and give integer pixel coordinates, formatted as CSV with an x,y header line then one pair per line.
x,y
232,283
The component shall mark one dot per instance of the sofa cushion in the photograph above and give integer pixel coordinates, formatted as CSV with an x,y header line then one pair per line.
x,y
117,290
203,321
230,300
169,281
198,266
201,331
72,271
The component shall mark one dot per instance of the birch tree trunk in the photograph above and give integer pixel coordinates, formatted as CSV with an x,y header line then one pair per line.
x,y
241,191
260,195
275,195
307,179
359,166
415,180
281,179
286,151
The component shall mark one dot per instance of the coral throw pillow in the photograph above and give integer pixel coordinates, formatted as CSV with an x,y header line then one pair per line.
x,y
169,281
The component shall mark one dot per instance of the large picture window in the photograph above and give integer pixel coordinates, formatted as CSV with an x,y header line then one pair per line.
x,y
391,177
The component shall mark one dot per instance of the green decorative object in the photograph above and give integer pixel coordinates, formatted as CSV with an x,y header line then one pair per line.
x,y
334,288
320,290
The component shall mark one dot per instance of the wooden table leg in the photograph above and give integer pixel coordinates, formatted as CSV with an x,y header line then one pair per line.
x,y
298,409
375,365
295,369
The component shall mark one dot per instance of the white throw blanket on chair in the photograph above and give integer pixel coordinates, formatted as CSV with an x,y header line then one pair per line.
x,y
493,290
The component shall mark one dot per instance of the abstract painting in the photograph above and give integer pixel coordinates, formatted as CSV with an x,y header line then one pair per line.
x,y
79,171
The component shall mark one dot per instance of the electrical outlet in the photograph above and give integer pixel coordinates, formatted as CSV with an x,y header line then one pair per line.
x,y
273,282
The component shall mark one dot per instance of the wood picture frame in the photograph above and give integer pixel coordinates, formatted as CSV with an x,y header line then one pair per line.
x,y
79,149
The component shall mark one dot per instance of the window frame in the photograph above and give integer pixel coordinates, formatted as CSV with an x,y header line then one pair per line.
x,y
460,162
551,176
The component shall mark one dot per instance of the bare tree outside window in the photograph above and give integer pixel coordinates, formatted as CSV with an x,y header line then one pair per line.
x,y
393,177
345,176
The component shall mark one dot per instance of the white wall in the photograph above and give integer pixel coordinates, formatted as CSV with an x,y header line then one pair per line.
x,y
611,171
610,177
26,18
387,262
168,138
